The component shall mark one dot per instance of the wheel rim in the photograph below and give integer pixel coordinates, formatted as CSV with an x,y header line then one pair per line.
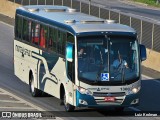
x,y
32,85
65,103
65,100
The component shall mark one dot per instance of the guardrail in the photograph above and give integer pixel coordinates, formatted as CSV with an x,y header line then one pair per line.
x,y
148,29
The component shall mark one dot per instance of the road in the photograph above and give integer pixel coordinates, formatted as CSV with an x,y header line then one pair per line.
x,y
20,91
127,7
124,6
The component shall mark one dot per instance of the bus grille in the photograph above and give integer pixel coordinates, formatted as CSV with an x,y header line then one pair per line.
x,y
100,98
103,102
115,94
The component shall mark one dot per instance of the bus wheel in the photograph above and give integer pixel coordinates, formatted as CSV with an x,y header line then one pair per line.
x,y
67,106
34,91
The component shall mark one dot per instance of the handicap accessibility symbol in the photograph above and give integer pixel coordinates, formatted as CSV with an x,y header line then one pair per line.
x,y
104,76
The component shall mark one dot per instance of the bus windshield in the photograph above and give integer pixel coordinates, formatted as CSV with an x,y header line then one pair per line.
x,y
107,60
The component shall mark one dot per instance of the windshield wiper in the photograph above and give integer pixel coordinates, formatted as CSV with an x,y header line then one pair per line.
x,y
100,69
121,71
123,74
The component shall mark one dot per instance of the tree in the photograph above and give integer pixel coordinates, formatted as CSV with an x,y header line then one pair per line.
x,y
158,1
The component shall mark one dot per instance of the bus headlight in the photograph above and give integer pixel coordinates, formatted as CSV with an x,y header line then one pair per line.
x,y
135,90
84,91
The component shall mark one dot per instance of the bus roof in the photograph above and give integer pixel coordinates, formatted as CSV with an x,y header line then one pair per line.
x,y
68,18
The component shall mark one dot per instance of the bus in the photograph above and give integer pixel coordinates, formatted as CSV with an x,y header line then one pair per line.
x,y
80,59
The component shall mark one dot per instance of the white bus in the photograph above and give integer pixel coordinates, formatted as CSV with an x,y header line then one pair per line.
x,y
83,60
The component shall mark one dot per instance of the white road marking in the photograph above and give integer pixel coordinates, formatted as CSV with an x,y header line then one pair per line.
x,y
134,109
20,99
7,24
147,77
10,101
157,81
2,93
151,78
11,107
31,106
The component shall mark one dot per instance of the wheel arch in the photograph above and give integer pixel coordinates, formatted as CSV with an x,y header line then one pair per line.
x,y
62,91
30,75
34,76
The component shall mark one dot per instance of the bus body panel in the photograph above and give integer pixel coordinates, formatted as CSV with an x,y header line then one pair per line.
x,y
122,95
49,66
23,61
47,79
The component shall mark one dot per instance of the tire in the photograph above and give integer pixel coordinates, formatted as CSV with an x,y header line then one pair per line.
x,y
34,91
67,106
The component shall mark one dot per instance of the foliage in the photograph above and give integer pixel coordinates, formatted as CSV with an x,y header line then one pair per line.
x,y
150,2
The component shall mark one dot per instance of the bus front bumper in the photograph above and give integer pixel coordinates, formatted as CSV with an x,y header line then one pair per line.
x,y
83,100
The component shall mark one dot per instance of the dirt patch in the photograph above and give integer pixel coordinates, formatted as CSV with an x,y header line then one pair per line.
x,y
8,8
153,60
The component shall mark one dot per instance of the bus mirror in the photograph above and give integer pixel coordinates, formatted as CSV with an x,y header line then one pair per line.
x,y
69,52
143,54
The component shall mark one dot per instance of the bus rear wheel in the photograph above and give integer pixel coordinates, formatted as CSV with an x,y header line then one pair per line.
x,y
67,106
34,91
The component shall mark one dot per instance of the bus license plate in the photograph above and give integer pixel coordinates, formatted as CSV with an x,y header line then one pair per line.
x,y
109,99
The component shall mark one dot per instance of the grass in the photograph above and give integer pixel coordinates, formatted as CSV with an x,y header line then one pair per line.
x,y
149,2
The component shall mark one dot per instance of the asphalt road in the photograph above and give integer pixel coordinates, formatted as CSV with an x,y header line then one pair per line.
x,y
124,6
127,7
149,98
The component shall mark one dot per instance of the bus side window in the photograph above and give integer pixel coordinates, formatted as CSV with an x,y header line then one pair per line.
x,y
35,33
70,69
70,65
70,38
18,28
43,36
29,30
26,30
52,43
59,42
64,39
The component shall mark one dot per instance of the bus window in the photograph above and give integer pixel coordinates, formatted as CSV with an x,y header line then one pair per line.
x,y
35,33
26,30
64,38
43,36
29,30
18,28
52,42
61,42
70,38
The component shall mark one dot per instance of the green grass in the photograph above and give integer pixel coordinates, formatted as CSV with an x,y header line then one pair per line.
x,y
149,2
